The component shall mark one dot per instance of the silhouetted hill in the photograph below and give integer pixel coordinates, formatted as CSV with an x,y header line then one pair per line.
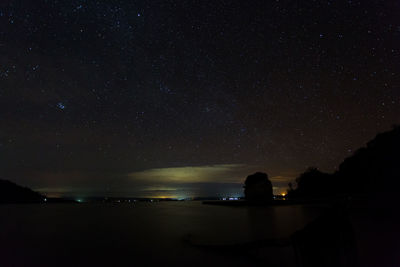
x,y
13,193
371,170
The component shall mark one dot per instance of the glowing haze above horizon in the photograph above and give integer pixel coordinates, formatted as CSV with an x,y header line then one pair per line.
x,y
187,98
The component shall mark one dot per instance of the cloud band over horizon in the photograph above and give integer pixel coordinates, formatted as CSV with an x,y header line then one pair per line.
x,y
175,182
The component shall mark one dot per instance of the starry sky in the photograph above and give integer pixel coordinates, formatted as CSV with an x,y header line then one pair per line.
x,y
186,98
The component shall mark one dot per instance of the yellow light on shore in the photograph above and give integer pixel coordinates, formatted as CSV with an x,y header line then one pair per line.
x,y
283,194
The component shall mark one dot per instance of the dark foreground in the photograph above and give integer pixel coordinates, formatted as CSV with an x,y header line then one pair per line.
x,y
177,233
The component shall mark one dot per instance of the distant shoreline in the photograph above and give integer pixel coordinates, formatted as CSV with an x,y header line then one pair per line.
x,y
240,203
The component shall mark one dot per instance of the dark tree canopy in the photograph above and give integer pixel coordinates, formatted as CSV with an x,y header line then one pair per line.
x,y
374,168
258,187
371,170
312,183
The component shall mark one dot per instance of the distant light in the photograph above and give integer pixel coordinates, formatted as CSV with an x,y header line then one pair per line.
x,y
79,200
45,199
60,105
283,194
224,198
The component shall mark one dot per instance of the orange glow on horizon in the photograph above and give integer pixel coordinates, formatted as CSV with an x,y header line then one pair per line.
x,y
162,197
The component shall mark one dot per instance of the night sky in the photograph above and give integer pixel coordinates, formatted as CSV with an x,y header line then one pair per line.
x,y
187,98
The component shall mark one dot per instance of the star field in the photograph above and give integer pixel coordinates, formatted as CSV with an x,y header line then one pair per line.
x,y
93,93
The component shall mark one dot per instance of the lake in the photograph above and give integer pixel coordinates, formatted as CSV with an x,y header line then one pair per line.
x,y
144,233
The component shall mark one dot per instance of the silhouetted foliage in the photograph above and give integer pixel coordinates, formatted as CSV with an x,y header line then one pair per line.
x,y
374,169
13,193
258,187
312,183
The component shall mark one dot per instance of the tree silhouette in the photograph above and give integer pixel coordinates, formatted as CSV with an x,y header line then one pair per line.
x,y
312,183
371,170
374,168
258,187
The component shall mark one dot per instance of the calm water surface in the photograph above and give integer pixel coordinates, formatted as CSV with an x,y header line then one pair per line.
x,y
143,233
